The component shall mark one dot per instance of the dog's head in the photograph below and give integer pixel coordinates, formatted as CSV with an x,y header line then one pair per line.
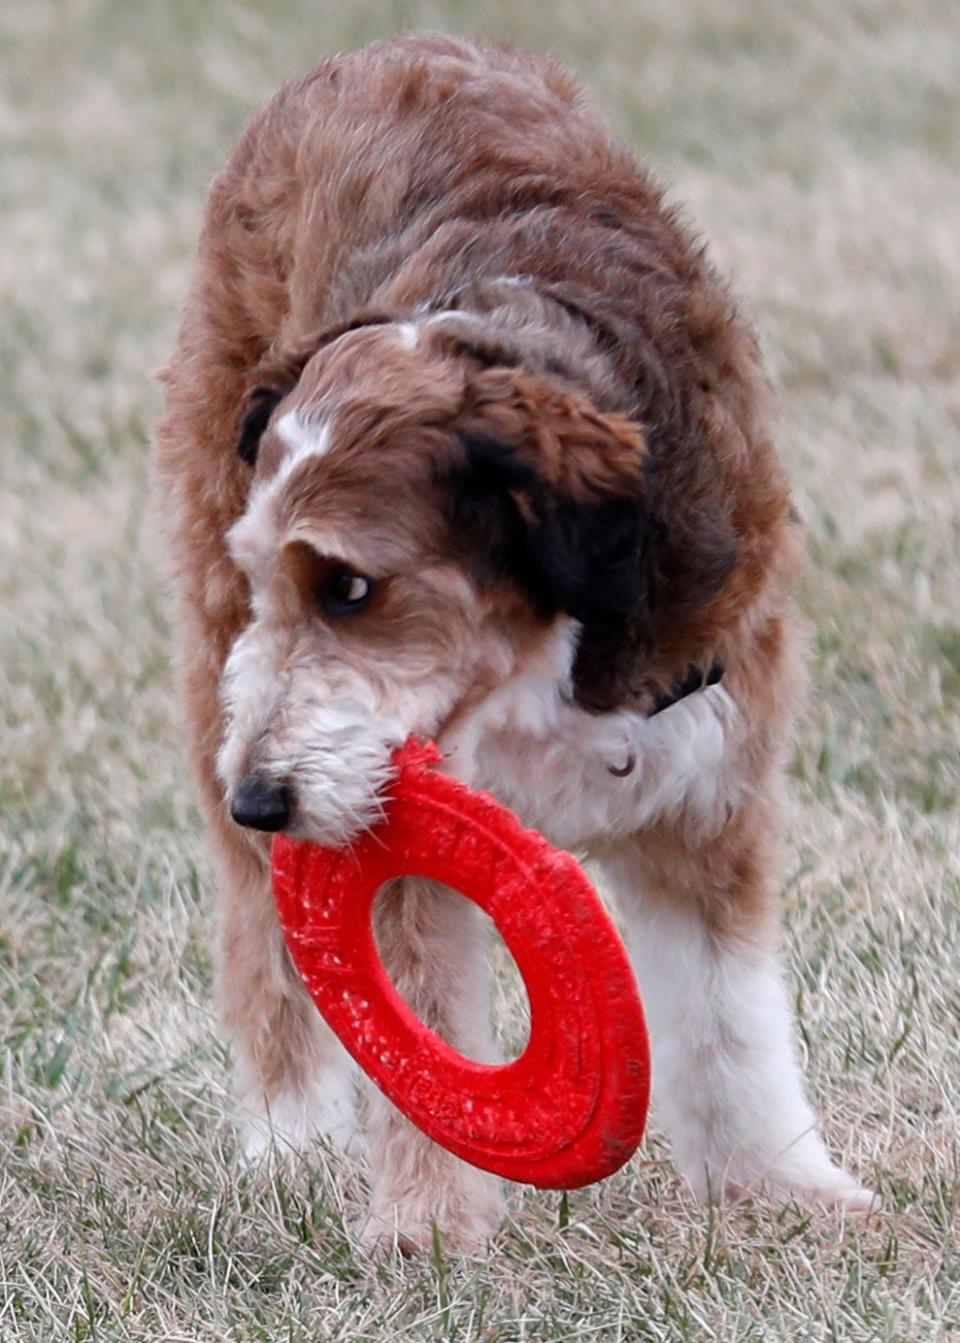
x,y
419,521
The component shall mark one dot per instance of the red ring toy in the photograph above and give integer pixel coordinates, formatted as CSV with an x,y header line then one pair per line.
x,y
572,1108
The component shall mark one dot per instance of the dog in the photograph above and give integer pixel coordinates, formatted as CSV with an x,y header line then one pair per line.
x,y
464,437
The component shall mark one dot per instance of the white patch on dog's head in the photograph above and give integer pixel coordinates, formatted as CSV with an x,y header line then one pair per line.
x,y
303,438
255,538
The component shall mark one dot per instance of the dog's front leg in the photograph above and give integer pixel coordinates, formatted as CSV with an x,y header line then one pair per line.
x,y
294,1080
728,1090
432,944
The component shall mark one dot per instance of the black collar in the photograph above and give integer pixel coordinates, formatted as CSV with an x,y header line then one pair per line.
x,y
694,680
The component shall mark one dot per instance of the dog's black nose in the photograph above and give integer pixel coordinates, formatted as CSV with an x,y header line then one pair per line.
x,y
261,803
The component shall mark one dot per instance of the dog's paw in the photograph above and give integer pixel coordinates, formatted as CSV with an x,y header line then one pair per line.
x,y
465,1214
290,1122
830,1190
807,1177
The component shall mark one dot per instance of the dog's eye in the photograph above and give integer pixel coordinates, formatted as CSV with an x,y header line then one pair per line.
x,y
344,592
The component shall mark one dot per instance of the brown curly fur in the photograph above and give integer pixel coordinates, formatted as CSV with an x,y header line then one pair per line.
x,y
571,336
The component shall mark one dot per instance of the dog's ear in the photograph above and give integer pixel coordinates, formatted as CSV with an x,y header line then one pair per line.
x,y
580,556
549,495
259,405
568,504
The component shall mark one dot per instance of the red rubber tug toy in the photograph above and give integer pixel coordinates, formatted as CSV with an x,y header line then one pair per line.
x,y
572,1108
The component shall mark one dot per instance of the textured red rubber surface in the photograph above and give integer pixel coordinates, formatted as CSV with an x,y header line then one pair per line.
x,y
571,1109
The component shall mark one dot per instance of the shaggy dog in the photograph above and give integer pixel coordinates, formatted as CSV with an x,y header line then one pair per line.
x,y
464,437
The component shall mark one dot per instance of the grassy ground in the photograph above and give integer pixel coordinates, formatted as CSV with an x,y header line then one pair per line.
x,y
816,143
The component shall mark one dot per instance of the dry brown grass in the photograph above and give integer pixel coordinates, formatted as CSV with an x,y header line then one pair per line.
x,y
817,145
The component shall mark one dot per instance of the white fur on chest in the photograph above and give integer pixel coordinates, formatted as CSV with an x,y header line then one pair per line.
x,y
550,760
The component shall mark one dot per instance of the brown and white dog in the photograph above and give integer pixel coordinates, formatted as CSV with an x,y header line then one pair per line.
x,y
464,437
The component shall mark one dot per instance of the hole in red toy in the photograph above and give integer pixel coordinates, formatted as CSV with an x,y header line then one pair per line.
x,y
415,923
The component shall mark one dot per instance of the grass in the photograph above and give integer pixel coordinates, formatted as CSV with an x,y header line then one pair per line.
x,y
815,143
